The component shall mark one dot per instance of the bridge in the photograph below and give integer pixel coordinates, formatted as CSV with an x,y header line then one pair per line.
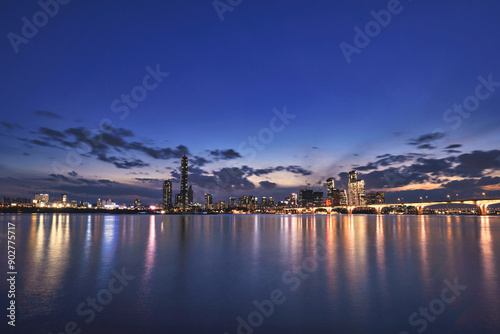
x,y
481,206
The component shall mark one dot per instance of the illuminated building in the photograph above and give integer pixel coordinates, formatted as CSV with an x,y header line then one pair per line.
x,y
208,200
243,201
318,198
375,198
184,182
167,194
190,195
330,185
41,200
306,197
356,189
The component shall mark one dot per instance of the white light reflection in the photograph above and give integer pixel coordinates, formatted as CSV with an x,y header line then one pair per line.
x,y
489,268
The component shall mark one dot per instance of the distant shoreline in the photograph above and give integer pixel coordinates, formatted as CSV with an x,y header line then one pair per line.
x,y
136,212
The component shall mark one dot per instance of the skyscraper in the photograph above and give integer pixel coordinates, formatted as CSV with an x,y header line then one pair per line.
x,y
184,182
167,194
318,198
356,189
64,198
306,197
208,201
190,195
330,185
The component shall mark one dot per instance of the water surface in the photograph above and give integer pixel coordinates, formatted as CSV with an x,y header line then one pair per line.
x,y
211,274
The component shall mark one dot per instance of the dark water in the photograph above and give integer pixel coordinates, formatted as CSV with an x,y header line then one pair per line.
x,y
306,274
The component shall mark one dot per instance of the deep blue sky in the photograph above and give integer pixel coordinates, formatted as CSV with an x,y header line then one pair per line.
x,y
382,113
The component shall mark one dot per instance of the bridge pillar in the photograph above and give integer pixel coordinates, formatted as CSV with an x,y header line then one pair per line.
x,y
481,209
378,209
420,210
349,209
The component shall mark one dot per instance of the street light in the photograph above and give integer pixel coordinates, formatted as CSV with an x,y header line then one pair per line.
x,y
484,195
448,197
421,199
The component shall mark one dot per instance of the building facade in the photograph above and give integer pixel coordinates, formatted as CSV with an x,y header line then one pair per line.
x,y
356,189
167,194
184,182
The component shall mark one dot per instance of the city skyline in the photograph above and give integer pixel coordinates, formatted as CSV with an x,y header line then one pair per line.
x,y
257,104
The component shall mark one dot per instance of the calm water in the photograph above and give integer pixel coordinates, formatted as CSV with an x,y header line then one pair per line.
x,y
212,274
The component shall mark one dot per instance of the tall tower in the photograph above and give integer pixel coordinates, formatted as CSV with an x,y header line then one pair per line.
x,y
330,185
184,182
190,195
356,189
330,188
208,200
167,194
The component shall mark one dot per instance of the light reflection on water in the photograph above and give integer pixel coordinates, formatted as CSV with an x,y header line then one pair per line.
x,y
199,273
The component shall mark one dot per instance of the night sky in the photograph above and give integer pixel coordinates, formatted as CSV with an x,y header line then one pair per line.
x,y
264,97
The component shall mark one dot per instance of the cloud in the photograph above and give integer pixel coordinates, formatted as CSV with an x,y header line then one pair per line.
x,y
122,163
10,126
475,166
467,184
128,164
50,133
148,180
105,146
225,154
267,184
427,147
386,160
48,114
298,170
73,173
426,139
199,161
453,146
476,163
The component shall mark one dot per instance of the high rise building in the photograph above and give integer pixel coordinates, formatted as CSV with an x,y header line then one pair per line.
x,y
243,201
178,200
232,202
375,198
306,197
330,185
380,197
339,197
41,200
270,201
208,200
190,195
293,199
184,182
356,189
64,198
318,198
167,194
